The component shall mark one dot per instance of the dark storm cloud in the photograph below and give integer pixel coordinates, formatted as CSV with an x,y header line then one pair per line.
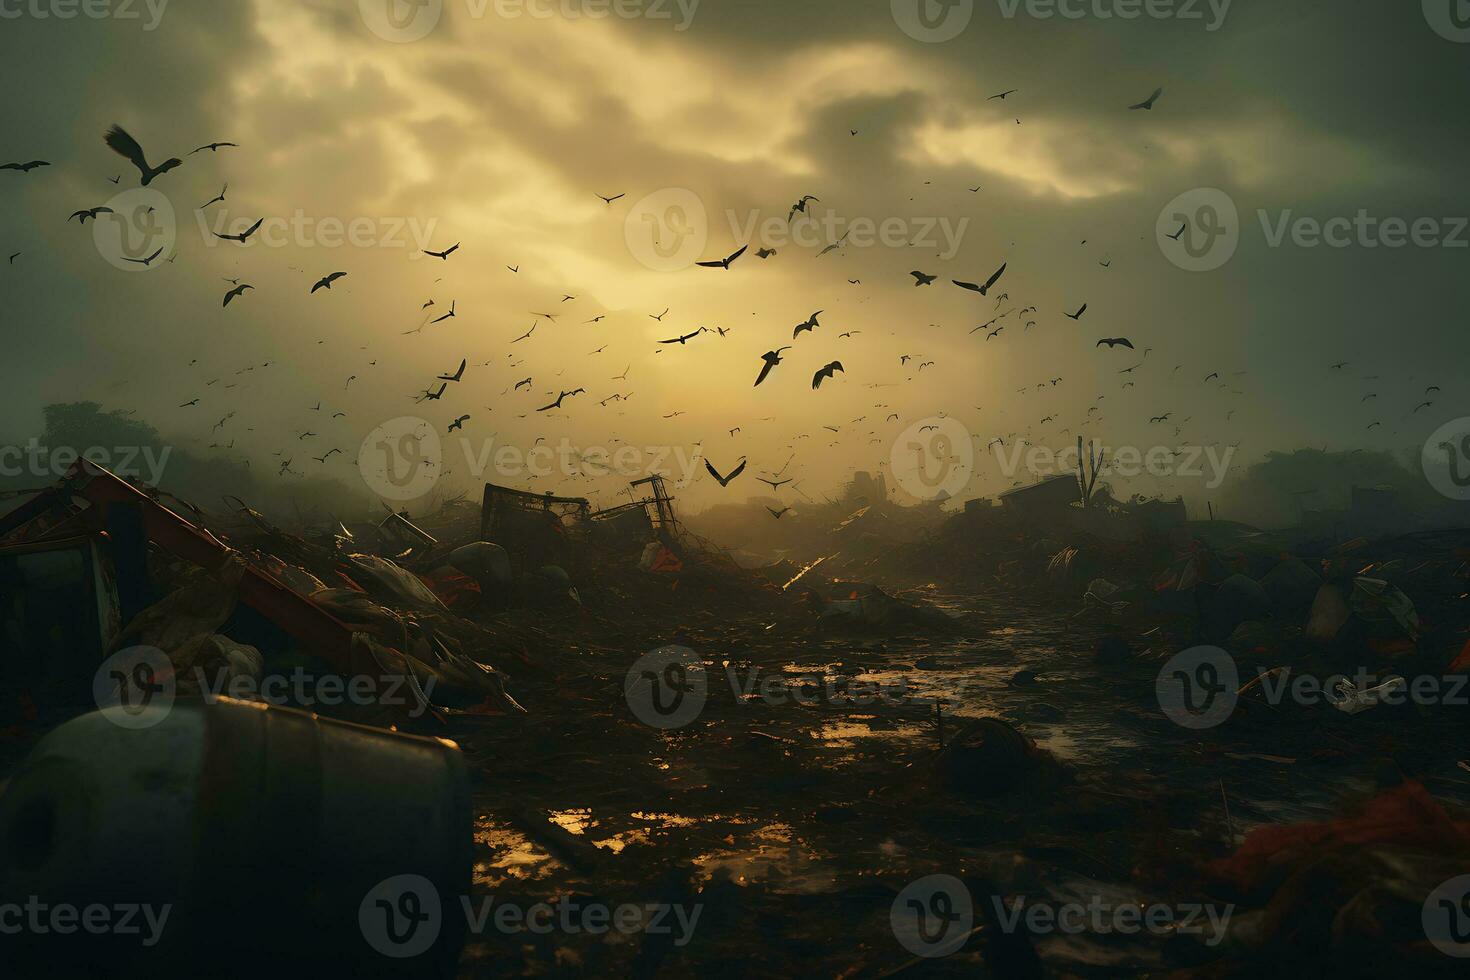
x,y
500,132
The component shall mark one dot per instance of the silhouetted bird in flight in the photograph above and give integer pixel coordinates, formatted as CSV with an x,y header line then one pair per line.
x,y
123,144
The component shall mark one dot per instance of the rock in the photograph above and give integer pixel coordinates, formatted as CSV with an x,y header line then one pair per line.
x,y
987,758
1291,586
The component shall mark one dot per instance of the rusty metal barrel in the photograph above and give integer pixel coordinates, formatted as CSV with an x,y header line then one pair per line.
x,y
233,839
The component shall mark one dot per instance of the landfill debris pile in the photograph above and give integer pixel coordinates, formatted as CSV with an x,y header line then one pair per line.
x,y
898,693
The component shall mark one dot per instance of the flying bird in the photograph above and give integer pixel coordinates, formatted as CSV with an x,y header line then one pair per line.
x,y
325,282
243,235
982,290
123,144
1116,342
684,338
444,254
615,197
25,168
808,325
1003,95
211,147
724,481
144,262
771,359
922,279
1078,314
835,245
447,315
215,200
560,398
825,373
237,291
800,207
457,375
1148,103
725,262
90,213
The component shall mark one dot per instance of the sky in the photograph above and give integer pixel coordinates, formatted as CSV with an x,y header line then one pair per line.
x,y
369,132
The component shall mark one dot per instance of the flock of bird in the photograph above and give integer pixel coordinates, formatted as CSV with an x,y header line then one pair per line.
x,y
1004,314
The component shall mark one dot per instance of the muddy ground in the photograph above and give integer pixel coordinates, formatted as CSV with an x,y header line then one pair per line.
x,y
795,826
